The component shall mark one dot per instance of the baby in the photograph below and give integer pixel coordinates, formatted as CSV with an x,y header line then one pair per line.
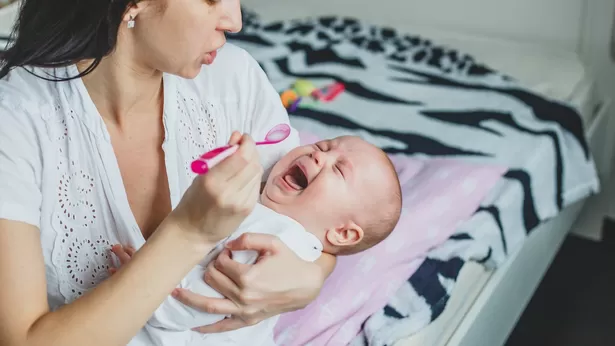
x,y
339,196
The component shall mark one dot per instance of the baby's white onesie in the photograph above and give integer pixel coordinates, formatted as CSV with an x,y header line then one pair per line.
x,y
173,318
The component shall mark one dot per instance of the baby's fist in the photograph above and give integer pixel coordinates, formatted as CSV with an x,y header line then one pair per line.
x,y
123,253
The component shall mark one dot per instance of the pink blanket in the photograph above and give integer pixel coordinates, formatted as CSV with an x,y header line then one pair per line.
x,y
438,194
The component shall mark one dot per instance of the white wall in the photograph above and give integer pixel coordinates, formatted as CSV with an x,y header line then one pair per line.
x,y
595,42
8,15
595,50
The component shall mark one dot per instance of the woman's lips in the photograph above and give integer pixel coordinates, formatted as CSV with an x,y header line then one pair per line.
x,y
209,58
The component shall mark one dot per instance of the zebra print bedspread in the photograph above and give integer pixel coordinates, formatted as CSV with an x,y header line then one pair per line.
x,y
408,95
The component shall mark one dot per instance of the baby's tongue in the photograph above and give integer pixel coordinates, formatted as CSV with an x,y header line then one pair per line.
x,y
292,181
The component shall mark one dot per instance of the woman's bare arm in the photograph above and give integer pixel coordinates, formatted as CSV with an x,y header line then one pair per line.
x,y
111,314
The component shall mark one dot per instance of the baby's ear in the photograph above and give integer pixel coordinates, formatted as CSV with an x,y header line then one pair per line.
x,y
349,234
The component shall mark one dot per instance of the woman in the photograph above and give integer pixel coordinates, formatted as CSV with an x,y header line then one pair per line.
x,y
103,104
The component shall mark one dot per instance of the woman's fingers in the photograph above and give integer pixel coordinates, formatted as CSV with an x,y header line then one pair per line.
x,y
247,148
250,190
225,325
218,306
235,138
221,283
245,181
240,173
226,169
230,268
263,243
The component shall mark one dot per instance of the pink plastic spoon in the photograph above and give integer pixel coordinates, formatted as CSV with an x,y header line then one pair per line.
x,y
211,158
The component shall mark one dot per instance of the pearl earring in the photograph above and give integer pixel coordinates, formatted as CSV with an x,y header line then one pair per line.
x,y
131,22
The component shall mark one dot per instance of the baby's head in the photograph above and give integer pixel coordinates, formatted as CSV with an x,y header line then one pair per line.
x,y
344,190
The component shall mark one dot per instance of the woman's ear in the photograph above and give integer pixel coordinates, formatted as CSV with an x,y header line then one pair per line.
x,y
133,10
347,235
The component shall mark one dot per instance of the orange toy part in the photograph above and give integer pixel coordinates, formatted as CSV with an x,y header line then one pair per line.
x,y
288,97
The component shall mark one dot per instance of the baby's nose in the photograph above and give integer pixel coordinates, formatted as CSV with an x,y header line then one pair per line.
x,y
318,157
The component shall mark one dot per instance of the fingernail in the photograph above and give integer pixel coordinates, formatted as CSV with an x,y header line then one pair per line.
x,y
175,293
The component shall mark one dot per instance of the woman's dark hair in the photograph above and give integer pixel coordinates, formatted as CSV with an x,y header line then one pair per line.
x,y
54,33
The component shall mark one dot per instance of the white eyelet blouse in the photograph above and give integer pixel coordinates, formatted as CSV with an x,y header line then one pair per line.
x,y
58,170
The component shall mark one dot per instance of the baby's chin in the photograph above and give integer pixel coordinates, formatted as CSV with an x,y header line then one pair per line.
x,y
274,200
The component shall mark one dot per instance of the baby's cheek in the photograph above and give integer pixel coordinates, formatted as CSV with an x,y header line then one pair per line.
x,y
330,198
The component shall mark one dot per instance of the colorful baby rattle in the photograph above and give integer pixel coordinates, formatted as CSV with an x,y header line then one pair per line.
x,y
303,89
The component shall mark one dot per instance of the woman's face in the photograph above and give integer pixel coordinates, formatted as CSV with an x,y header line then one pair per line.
x,y
179,36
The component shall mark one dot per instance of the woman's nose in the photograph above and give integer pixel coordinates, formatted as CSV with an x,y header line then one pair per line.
x,y
231,18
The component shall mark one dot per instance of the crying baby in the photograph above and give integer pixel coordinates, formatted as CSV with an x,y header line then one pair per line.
x,y
339,196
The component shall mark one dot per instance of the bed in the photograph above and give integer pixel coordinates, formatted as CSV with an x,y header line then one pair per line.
x,y
484,304
481,294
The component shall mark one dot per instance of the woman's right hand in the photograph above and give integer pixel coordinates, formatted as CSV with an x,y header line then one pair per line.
x,y
217,202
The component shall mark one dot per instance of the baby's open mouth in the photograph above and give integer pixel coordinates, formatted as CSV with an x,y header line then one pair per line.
x,y
295,177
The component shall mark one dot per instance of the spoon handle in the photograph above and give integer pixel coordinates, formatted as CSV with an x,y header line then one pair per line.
x,y
223,155
203,165
212,153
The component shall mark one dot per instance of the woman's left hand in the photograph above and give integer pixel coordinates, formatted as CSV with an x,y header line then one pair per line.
x,y
278,282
